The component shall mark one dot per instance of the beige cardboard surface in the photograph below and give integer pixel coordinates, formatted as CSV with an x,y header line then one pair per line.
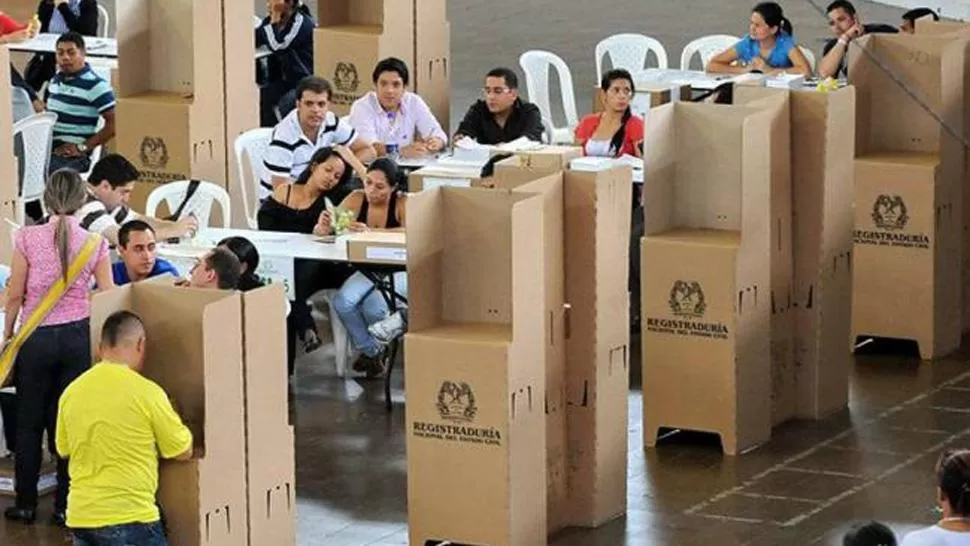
x,y
906,234
270,452
935,68
8,164
241,96
597,233
353,36
170,46
432,58
20,10
476,374
169,138
930,27
195,352
784,398
730,192
435,176
380,247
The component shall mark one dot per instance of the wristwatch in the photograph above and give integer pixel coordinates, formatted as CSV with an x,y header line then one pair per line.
x,y
83,148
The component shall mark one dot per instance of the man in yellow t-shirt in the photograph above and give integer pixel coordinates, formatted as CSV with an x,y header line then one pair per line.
x,y
112,426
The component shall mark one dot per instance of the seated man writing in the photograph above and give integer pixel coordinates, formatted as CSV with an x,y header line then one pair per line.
x,y
112,426
219,269
501,116
136,246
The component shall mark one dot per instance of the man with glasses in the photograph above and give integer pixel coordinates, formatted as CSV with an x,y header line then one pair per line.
x,y
502,116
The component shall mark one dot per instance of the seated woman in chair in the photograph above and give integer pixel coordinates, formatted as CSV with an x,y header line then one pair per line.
x,y
299,208
768,48
379,206
615,131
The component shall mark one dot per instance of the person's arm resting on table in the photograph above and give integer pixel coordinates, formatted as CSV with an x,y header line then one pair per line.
x,y
723,62
471,124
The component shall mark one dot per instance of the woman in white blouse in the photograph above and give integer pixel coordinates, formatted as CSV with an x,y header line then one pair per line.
x,y
953,495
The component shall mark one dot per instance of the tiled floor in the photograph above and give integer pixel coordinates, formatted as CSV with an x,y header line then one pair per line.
x,y
804,487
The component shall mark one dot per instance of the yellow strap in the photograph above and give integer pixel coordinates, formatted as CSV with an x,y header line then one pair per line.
x,y
46,305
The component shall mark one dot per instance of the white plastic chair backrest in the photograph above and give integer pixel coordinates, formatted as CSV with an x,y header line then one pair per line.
x,y
37,132
251,145
536,65
95,153
23,108
809,56
200,205
707,47
104,21
257,21
630,52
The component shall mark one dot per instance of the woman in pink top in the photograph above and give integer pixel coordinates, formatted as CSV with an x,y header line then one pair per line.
x,y
59,350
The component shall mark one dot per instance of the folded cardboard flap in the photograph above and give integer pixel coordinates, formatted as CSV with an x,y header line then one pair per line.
x,y
362,13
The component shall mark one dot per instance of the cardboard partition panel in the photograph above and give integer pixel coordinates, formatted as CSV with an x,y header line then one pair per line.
x,y
476,375
20,10
934,68
195,353
706,261
597,234
173,46
8,164
270,453
432,58
241,96
386,14
783,397
907,234
927,26
170,138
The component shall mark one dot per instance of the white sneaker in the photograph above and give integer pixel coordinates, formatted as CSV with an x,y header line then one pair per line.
x,y
388,329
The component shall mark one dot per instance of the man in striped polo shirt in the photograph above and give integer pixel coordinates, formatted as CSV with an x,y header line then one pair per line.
x,y
79,97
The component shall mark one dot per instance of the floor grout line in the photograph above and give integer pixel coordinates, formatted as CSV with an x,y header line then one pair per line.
x,y
778,497
817,472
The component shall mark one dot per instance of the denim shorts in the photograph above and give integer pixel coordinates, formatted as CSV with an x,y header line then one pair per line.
x,y
129,534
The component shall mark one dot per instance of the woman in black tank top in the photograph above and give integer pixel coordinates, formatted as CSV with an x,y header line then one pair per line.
x,y
379,206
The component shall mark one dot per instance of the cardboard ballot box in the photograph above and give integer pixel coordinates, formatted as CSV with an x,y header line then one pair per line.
x,y
380,247
706,269
933,67
353,35
475,377
195,353
906,237
171,113
435,176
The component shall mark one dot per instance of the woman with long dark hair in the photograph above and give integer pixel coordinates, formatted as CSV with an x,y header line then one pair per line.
x,y
615,131
301,207
769,48
59,349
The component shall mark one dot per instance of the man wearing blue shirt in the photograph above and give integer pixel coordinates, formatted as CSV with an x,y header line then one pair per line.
x,y
136,246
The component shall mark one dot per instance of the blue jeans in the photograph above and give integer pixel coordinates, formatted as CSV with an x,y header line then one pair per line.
x,y
359,304
129,534
80,164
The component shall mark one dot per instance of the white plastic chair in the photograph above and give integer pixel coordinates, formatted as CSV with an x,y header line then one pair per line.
x,y
253,145
809,56
257,21
37,132
104,21
343,348
630,52
23,108
707,47
536,65
173,194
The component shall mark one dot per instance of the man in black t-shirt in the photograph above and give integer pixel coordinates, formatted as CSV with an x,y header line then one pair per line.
x,y
846,26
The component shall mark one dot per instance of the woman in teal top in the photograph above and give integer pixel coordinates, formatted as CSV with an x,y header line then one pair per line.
x,y
768,48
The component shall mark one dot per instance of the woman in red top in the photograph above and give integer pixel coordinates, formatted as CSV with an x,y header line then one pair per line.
x,y
615,131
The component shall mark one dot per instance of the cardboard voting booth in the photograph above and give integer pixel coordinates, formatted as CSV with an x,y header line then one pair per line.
x,y
8,165
432,58
706,269
910,192
476,372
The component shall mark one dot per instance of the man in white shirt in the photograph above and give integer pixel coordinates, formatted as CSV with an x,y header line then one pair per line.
x,y
394,120
304,131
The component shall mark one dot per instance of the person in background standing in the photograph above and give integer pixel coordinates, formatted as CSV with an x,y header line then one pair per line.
x,y
59,350
768,48
846,25
60,17
79,97
501,116
394,120
910,17
288,33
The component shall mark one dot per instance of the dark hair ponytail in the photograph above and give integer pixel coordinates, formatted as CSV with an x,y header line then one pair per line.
x,y
954,482
774,16
787,27
616,143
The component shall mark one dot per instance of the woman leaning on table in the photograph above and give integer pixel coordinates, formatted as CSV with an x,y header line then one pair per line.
x,y
58,17
59,350
299,208
380,206
769,47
